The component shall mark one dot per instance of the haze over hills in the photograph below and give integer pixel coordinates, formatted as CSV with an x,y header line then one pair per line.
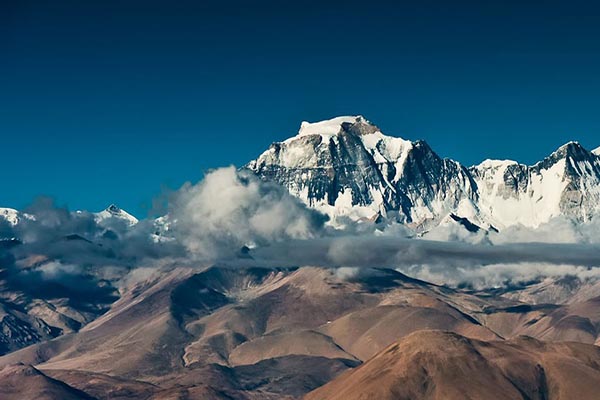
x,y
339,257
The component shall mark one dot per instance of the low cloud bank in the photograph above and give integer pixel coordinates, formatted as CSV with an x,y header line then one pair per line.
x,y
233,218
557,230
451,263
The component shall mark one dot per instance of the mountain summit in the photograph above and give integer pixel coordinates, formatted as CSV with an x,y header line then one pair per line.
x,y
347,168
114,211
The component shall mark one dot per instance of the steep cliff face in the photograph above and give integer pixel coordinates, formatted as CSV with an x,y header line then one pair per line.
x,y
331,171
346,167
565,183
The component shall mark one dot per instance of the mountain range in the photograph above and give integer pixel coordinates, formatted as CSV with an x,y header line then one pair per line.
x,y
108,307
347,168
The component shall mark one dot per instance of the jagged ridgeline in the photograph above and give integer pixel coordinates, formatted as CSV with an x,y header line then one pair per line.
x,y
346,167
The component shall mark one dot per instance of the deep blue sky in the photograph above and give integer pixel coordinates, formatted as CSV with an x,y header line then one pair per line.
x,y
108,101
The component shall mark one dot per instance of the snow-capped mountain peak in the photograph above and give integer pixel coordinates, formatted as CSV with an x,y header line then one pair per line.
x,y
565,183
596,151
328,127
113,211
10,215
347,168
13,216
570,149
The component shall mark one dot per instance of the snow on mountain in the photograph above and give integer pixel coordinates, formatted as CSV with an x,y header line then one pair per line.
x,y
347,168
13,216
360,173
565,183
113,211
326,128
10,215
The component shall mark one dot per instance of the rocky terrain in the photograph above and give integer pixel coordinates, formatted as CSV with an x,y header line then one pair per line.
x,y
215,299
214,332
444,365
346,167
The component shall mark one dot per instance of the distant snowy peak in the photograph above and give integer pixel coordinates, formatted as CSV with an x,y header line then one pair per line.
x,y
113,211
10,215
596,151
347,168
571,150
13,216
566,183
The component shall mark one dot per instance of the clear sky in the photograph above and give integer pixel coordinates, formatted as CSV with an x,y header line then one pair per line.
x,y
109,101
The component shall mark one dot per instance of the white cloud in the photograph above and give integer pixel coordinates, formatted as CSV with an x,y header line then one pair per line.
x,y
230,209
497,275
